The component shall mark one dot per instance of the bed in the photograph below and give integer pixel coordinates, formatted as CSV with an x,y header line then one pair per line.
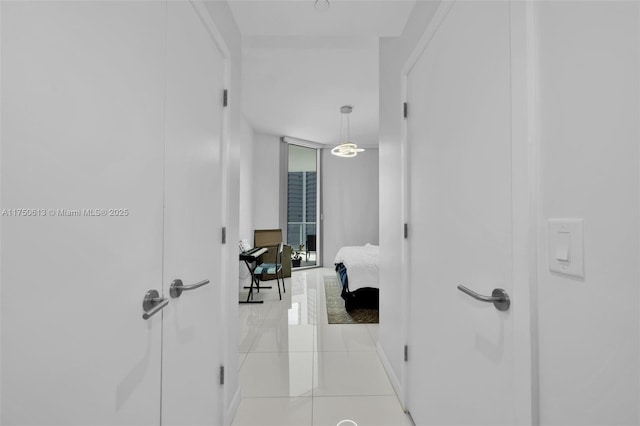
x,y
358,272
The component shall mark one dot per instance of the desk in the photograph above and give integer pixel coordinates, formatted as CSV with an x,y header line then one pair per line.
x,y
250,257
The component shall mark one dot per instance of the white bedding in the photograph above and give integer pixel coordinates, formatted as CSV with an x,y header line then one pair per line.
x,y
362,265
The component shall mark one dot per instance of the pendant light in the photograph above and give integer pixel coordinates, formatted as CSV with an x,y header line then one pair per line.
x,y
346,149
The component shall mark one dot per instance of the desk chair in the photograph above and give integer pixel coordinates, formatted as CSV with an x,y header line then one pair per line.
x,y
273,269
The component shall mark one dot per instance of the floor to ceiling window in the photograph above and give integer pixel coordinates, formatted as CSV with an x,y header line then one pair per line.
x,y
302,205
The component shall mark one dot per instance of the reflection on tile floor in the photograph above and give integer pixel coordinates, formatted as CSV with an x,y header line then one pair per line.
x,y
296,369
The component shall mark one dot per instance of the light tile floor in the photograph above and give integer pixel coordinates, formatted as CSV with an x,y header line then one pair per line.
x,y
296,369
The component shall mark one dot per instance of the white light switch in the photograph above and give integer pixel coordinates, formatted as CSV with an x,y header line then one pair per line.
x,y
562,253
563,245
566,247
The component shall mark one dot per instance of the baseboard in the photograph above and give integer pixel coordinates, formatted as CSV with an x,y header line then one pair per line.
x,y
230,413
397,384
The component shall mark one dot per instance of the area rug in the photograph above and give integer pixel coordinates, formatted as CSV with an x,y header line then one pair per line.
x,y
336,313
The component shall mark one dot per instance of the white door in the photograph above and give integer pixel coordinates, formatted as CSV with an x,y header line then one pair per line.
x,y
192,346
82,128
111,124
461,349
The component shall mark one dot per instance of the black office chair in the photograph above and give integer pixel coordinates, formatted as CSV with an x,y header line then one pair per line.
x,y
311,244
273,269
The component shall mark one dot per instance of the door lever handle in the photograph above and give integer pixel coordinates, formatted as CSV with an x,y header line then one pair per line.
x,y
152,304
499,297
177,287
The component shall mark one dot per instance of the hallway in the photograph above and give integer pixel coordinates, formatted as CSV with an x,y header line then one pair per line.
x,y
296,369
141,140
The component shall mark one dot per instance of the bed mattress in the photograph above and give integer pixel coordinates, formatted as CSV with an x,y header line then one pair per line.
x,y
362,265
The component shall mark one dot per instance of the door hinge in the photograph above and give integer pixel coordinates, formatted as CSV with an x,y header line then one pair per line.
x,y
222,375
224,235
406,230
406,353
405,110
225,98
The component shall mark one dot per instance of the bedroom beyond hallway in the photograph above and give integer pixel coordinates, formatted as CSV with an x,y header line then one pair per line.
x,y
296,369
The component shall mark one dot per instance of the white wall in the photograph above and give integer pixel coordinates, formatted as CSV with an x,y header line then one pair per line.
x,y
266,182
349,202
588,111
226,24
246,182
246,197
394,52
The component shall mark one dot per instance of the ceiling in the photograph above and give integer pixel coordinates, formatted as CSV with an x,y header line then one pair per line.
x,y
344,18
300,65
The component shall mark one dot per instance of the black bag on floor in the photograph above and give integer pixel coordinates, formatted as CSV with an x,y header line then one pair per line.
x,y
362,298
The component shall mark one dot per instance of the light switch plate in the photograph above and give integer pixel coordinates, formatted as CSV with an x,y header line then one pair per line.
x,y
566,247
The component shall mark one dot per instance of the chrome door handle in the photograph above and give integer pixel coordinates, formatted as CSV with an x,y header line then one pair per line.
x,y
152,304
499,297
177,287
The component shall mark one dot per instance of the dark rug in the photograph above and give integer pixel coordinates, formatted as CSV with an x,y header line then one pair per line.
x,y
337,314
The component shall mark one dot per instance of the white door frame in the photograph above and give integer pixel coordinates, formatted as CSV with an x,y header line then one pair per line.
x,y
525,208
228,252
